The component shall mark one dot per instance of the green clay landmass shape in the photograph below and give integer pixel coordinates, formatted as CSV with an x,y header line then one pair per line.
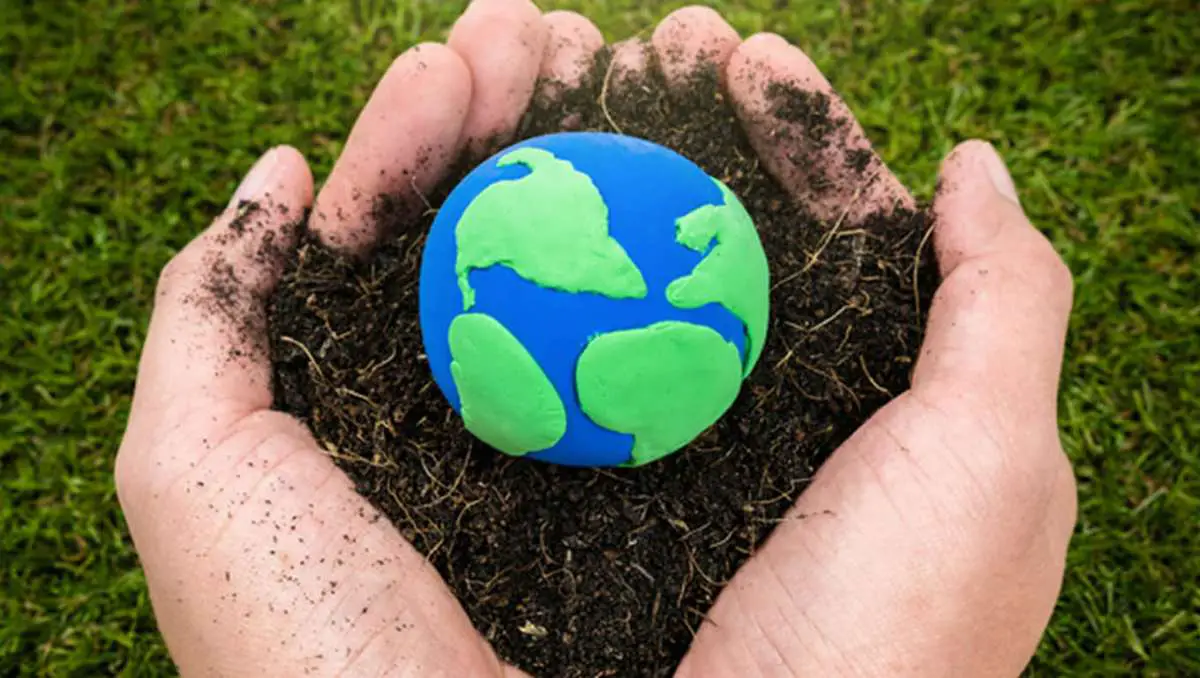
x,y
550,227
507,400
663,384
734,274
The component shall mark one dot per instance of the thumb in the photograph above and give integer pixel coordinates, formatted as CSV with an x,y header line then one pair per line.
x,y
999,320
205,353
207,333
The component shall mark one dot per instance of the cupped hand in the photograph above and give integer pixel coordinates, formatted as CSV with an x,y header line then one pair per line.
x,y
934,539
933,542
261,559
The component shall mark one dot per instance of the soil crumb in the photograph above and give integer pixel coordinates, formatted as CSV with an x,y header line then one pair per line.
x,y
573,572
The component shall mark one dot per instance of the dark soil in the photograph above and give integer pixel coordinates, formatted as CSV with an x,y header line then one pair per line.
x,y
574,572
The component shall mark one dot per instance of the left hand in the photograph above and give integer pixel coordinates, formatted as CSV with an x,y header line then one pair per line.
x,y
933,542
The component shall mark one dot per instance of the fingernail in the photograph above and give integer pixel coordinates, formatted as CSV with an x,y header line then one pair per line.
x,y
257,180
998,172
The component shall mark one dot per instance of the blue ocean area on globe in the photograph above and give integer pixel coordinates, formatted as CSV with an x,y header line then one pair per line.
x,y
515,325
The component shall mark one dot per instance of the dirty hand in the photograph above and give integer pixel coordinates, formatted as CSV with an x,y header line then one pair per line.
x,y
260,557
933,542
939,532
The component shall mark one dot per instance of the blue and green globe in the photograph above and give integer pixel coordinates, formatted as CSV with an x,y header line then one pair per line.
x,y
592,299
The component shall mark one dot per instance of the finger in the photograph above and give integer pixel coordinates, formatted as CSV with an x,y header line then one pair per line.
x,y
629,65
998,322
502,43
401,145
207,343
572,42
806,135
692,38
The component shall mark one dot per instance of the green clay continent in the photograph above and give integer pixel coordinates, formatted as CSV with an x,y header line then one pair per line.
x,y
550,227
507,400
734,274
663,384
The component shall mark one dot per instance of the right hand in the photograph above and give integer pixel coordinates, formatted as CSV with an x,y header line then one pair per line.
x,y
933,542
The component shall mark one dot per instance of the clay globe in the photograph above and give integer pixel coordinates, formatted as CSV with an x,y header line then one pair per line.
x,y
592,299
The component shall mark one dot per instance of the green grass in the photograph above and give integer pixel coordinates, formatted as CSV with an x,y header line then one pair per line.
x,y
125,124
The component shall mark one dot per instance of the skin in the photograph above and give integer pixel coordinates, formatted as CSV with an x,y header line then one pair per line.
x,y
931,544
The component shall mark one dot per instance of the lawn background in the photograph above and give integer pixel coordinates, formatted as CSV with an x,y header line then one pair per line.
x,y
126,124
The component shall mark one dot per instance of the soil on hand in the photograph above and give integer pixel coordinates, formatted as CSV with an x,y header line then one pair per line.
x,y
572,572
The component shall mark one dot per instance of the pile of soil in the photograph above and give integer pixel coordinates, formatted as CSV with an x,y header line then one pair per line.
x,y
572,572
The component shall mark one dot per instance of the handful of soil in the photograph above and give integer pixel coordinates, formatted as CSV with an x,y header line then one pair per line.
x,y
580,572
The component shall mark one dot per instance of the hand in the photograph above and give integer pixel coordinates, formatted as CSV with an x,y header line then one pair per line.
x,y
260,557
933,542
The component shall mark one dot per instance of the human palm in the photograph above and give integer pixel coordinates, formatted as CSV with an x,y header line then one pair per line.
x,y
932,543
